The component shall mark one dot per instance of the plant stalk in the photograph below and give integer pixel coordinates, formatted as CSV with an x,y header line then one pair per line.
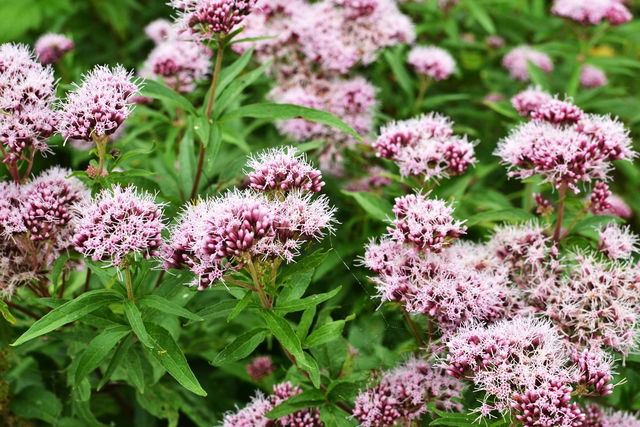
x,y
557,232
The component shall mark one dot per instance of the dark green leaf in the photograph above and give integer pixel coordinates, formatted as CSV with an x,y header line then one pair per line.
x,y
119,354
305,303
284,333
241,347
375,206
97,350
164,305
324,334
304,400
135,320
157,90
480,14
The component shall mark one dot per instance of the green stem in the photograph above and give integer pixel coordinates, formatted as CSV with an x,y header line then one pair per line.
x,y
210,104
101,148
422,90
128,282
557,232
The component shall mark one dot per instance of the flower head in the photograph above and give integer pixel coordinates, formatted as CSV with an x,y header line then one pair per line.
x,y
403,393
557,112
517,59
51,47
593,11
595,370
281,170
100,105
432,61
599,199
616,206
117,223
530,100
617,242
260,367
208,18
160,31
591,76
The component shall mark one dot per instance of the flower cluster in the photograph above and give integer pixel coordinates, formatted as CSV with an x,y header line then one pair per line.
x,y
179,61
403,393
617,242
432,61
98,107
117,223
516,61
597,417
594,370
593,12
27,93
51,47
280,170
227,233
591,76
565,146
253,415
260,367
425,146
207,19
530,100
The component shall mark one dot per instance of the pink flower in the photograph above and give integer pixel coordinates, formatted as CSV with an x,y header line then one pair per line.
x,y
547,405
591,76
616,207
180,63
117,223
432,61
494,41
425,146
27,94
376,179
426,223
260,367
493,97
597,417
207,18
595,370
617,242
593,11
599,199
543,206
557,112
516,62
160,31
530,100
51,47
11,213
281,170
100,105
403,394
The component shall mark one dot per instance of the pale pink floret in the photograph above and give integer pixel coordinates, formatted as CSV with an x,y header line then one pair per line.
x,y
51,47
117,223
591,76
557,112
530,100
403,394
617,242
596,416
252,415
27,94
207,18
516,61
595,370
260,367
337,35
281,170
432,61
99,106
180,63
160,31
593,11
520,364
599,198
617,207
426,223
11,213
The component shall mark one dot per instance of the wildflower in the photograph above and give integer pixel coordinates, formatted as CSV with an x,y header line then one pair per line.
x,y
597,417
557,112
117,223
426,223
494,41
209,18
547,405
517,59
543,206
160,31
260,367
403,394
595,370
617,242
616,206
98,107
432,61
51,47
493,97
425,146
280,170
530,100
375,179
600,196
27,93
593,12
181,64
591,76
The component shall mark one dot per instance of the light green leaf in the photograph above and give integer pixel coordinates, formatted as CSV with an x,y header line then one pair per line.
x,y
6,314
135,320
153,89
230,72
537,75
241,347
375,206
305,303
304,400
480,14
325,333
164,305
69,312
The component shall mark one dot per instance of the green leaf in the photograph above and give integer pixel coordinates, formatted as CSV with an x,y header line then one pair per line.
x,y
69,312
289,111
217,310
133,367
480,14
135,320
505,109
375,206
97,350
6,314
119,354
593,222
187,160
537,75
237,86
240,306
304,400
230,72
153,89
325,333
297,277
241,347
164,305
172,359
400,73
305,303
508,215
333,416
305,322
36,402
574,80
284,333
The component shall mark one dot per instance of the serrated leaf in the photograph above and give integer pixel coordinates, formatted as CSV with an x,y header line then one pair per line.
x,y
69,312
164,305
172,359
97,350
375,206
305,322
135,320
153,89
241,347
288,112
